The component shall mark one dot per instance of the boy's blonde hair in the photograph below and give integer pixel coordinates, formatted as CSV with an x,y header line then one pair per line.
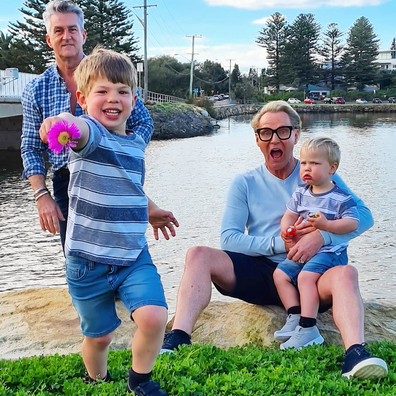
x,y
278,106
330,148
107,64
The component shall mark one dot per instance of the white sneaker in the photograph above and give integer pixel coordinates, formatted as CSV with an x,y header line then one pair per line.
x,y
303,337
287,330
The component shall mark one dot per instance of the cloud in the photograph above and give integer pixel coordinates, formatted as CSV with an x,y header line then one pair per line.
x,y
299,4
261,21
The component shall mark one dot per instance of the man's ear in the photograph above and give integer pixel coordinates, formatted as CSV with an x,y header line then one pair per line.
x,y
48,40
81,100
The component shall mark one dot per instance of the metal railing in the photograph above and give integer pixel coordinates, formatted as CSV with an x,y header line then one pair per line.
x,y
12,84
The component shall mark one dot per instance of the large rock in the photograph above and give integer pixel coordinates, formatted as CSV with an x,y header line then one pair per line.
x,y
44,322
179,121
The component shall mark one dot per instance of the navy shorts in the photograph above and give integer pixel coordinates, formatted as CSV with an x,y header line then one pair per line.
x,y
255,281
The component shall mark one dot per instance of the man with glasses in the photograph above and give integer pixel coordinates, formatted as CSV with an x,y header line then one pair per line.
x,y
252,246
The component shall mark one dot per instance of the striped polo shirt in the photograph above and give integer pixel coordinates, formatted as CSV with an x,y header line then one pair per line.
x,y
334,204
108,209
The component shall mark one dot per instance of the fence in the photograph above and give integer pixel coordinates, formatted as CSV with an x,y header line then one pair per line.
x,y
12,84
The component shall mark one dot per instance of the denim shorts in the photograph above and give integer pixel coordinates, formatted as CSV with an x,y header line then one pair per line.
x,y
319,264
94,288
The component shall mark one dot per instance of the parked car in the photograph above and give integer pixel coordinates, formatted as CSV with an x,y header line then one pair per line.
x,y
361,101
338,100
309,101
377,100
392,99
294,100
327,101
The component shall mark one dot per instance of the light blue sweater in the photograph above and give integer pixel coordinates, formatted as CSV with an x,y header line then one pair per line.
x,y
256,203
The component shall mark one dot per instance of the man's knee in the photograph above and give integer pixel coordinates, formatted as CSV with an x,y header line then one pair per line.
x,y
347,274
197,256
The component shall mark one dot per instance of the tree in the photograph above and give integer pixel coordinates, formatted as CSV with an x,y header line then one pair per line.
x,y
301,51
236,76
331,52
107,23
211,76
245,91
273,38
360,54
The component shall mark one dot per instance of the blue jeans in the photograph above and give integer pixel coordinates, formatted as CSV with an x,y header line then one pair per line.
x,y
60,183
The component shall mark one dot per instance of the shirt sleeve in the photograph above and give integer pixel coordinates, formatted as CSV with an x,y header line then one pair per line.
x,y
366,220
140,121
32,147
233,237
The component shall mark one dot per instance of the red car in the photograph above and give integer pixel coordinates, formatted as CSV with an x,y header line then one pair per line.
x,y
309,101
339,100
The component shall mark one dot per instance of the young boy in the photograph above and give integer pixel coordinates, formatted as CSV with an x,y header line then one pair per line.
x,y
106,249
326,207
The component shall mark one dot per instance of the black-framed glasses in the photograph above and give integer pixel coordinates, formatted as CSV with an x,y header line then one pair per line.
x,y
283,133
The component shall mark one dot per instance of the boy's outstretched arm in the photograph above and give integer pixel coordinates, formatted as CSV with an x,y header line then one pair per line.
x,y
161,219
82,126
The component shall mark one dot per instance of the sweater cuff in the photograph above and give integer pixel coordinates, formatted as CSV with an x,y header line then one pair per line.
x,y
277,245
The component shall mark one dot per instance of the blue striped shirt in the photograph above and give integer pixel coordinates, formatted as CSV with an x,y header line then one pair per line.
x,y
334,204
47,96
108,209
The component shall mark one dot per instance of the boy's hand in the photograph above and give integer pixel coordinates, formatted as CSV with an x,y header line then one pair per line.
x,y
163,220
46,126
301,229
319,221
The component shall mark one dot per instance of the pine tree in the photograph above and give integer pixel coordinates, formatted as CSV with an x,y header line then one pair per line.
x,y
273,38
302,50
360,54
331,52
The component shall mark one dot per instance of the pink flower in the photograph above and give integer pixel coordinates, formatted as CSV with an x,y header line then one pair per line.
x,y
61,136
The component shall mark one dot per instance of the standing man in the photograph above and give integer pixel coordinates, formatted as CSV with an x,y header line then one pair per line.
x,y
54,92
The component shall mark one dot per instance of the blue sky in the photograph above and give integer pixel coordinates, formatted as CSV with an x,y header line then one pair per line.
x,y
228,28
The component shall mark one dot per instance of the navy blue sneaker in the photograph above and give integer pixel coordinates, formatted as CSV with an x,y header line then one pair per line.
x,y
173,340
149,388
361,364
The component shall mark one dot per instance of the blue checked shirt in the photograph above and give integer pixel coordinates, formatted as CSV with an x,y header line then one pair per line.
x,y
47,96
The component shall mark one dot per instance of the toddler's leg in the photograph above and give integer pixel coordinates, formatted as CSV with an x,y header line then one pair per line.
x,y
288,293
94,354
308,293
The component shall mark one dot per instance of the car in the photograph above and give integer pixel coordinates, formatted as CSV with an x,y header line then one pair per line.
x,y
392,99
338,100
327,101
377,100
309,101
361,101
293,100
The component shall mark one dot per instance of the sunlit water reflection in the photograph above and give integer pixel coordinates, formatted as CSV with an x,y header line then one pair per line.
x,y
191,178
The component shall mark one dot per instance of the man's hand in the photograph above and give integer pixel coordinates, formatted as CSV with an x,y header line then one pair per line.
x,y
49,214
163,220
306,247
46,126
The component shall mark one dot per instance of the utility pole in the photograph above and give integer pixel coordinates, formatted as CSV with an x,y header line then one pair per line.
x,y
192,62
229,80
145,67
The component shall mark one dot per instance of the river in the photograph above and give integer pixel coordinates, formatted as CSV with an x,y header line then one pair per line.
x,y
191,178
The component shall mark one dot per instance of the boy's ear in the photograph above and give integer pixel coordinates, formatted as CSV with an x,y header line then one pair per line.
x,y
81,100
333,168
134,100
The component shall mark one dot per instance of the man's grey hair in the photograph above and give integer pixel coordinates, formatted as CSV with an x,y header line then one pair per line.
x,y
62,7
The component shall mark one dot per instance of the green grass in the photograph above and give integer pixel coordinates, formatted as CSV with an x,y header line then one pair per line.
x,y
204,370
171,107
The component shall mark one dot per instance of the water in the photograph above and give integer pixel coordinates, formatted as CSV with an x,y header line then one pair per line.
x,y
191,178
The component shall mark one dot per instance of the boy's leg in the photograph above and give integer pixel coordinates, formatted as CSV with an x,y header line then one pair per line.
x,y
309,295
150,321
285,277
94,353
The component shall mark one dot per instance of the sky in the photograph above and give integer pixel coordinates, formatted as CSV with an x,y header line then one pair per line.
x,y
225,30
